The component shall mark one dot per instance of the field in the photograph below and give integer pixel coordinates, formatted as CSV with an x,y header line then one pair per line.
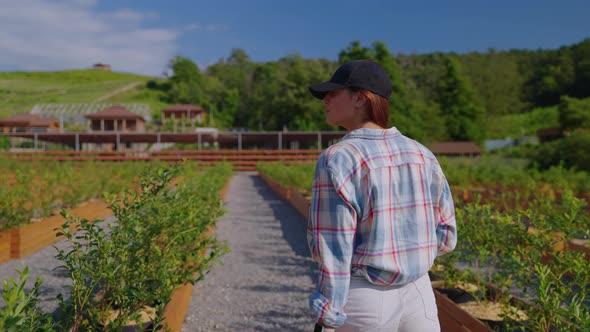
x,y
524,124
21,91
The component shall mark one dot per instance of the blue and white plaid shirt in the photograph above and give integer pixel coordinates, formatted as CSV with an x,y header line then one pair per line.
x,y
381,208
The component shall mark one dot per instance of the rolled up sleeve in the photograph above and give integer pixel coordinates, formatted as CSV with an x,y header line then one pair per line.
x,y
446,229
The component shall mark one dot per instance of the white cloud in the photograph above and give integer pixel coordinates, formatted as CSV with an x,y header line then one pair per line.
x,y
192,27
206,27
70,34
217,27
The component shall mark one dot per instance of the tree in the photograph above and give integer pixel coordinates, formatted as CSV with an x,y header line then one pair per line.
x,y
236,73
581,56
185,82
220,102
354,52
574,113
552,75
496,80
462,112
572,152
4,143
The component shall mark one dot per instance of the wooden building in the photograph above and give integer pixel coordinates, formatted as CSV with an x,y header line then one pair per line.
x,y
549,134
102,66
28,123
456,149
116,118
187,111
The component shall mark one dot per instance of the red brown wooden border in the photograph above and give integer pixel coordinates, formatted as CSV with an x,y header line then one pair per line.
x,y
5,241
454,319
25,240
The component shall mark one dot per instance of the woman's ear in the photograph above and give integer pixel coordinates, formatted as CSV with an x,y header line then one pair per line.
x,y
361,99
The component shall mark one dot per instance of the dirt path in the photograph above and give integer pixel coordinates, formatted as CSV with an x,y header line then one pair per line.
x,y
116,92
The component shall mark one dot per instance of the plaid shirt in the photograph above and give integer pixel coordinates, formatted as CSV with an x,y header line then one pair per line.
x,y
381,208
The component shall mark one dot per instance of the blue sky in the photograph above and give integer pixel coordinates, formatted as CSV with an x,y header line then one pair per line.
x,y
142,36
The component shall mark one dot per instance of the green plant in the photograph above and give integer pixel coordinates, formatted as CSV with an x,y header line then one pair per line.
x,y
558,291
22,312
160,241
38,188
4,143
487,238
294,176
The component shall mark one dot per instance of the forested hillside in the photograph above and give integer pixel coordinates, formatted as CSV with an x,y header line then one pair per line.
x,y
441,96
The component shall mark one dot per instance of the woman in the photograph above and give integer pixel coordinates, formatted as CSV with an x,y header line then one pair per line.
x,y
381,212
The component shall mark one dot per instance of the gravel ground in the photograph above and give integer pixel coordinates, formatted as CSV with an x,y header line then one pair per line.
x,y
42,264
265,282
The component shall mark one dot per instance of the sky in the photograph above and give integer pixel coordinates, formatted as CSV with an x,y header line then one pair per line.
x,y
142,36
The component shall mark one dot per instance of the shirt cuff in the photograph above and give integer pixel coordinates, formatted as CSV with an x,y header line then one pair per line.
x,y
321,308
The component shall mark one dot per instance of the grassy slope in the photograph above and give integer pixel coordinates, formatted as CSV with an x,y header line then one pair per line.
x,y
20,91
513,125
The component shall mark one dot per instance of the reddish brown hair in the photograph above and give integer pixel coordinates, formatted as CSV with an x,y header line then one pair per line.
x,y
377,107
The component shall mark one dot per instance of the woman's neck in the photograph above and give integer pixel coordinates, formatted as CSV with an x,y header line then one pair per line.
x,y
367,125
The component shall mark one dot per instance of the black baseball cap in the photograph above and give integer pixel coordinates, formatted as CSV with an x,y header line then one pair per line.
x,y
361,74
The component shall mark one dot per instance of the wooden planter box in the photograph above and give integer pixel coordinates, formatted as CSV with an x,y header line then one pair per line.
x,y
293,196
5,240
300,203
579,244
25,240
452,317
177,307
283,192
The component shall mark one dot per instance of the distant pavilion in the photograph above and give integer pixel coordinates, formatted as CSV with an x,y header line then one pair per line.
x,y
26,122
116,118
456,149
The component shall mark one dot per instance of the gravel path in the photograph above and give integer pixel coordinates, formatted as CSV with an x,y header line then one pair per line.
x,y
265,282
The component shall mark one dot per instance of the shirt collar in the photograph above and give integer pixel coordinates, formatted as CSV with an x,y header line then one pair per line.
x,y
372,133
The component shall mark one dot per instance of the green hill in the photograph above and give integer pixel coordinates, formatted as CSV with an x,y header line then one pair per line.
x,y
21,91
527,124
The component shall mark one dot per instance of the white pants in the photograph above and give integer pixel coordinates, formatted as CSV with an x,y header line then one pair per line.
x,y
373,308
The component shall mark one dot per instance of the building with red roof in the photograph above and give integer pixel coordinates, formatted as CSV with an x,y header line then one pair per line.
x,y
26,122
116,118
456,149
102,66
185,111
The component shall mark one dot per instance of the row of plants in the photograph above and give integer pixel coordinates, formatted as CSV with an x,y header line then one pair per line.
x,y
507,185
517,260
494,171
487,171
36,190
514,258
123,271
293,175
